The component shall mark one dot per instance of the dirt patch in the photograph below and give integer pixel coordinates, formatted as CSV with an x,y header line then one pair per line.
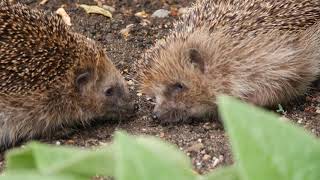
x,y
205,142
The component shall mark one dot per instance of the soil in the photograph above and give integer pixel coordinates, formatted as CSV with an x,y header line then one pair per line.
x,y
205,142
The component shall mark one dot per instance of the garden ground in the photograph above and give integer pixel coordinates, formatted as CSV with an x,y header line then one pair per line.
x,y
205,142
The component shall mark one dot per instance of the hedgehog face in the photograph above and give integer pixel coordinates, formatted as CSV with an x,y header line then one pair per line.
x,y
180,86
102,89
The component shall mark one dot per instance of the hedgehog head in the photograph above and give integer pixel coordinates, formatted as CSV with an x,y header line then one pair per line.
x,y
175,76
66,73
99,87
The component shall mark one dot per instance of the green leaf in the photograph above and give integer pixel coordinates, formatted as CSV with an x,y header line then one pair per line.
x,y
226,173
267,148
146,158
20,159
48,160
34,176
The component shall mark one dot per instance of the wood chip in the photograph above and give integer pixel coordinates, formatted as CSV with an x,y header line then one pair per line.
x,y
43,2
126,31
96,10
142,14
65,17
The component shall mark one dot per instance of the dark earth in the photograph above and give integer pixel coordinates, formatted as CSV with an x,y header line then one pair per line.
x,y
204,142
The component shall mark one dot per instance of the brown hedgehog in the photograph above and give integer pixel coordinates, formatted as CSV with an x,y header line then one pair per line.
x,y
51,77
262,51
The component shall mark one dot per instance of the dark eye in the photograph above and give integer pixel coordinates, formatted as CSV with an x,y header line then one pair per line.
x,y
178,87
175,88
109,92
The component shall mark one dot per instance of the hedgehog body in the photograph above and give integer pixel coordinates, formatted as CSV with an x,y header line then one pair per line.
x,y
51,77
262,51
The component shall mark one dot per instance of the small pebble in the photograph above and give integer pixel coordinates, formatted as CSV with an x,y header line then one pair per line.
x,y
139,94
195,147
161,135
154,117
145,22
161,13
221,158
182,11
207,126
141,14
216,161
206,157
130,82
125,70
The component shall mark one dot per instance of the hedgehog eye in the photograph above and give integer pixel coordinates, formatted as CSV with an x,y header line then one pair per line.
x,y
110,91
175,88
178,86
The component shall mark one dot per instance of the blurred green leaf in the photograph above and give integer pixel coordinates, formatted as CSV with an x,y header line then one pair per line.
x,y
49,160
267,148
20,175
146,158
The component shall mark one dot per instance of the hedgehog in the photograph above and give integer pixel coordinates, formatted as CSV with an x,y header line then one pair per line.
x,y
52,78
264,52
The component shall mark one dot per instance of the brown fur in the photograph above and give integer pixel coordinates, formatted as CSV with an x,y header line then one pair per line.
x,y
40,61
264,52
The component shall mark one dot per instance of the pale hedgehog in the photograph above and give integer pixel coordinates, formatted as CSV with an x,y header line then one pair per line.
x,y
262,51
51,77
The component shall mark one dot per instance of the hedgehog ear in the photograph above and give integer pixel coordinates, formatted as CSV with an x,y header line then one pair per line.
x,y
81,80
196,59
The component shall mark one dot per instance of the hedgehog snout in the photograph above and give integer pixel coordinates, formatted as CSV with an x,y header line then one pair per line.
x,y
119,94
